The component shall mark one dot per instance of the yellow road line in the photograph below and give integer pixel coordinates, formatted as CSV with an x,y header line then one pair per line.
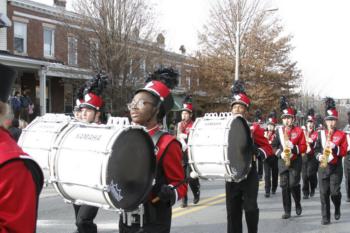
x,y
198,208
177,212
201,202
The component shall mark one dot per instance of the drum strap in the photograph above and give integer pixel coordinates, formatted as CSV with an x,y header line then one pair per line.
x,y
156,136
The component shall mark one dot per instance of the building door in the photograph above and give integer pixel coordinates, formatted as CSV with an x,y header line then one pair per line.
x,y
56,95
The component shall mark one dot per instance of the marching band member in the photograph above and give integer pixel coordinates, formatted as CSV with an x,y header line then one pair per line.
x,y
21,178
289,144
243,195
331,146
347,160
270,163
148,107
260,166
310,164
182,133
90,107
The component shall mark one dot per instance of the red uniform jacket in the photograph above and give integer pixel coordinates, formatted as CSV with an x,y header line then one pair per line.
x,y
18,194
296,136
260,140
185,127
171,163
340,141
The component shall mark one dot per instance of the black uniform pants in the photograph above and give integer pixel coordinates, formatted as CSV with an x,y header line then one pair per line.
x,y
290,185
271,173
239,196
347,174
157,220
260,167
84,217
309,174
330,180
193,183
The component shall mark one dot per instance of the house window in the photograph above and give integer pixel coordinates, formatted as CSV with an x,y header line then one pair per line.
x,y
72,51
20,37
94,56
49,42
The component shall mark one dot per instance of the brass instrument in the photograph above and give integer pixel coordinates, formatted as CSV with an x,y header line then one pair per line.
x,y
326,151
287,151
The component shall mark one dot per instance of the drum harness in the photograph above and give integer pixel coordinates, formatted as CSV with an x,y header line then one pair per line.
x,y
137,216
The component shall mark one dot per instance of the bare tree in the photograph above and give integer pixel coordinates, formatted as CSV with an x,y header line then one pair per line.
x,y
265,63
117,34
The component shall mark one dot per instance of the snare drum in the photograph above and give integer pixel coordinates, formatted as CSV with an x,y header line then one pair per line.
x,y
220,146
39,136
103,165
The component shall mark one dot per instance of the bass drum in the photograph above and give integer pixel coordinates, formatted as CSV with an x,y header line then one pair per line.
x,y
39,136
220,146
103,165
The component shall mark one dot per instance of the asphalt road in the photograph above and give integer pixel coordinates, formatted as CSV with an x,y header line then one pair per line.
x,y
209,216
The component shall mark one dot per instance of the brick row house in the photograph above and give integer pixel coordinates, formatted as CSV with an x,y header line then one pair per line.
x,y
51,63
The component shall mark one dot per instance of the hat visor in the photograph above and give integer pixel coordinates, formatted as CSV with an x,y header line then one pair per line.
x,y
330,118
239,102
186,109
286,115
89,106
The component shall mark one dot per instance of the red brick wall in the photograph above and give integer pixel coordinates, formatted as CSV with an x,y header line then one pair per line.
x,y
35,38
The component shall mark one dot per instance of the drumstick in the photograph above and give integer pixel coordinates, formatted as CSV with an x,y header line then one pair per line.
x,y
193,175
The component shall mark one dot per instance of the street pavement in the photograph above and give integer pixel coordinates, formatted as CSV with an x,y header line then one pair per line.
x,y
209,216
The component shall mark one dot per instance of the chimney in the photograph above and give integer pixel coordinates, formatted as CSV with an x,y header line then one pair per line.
x,y
60,3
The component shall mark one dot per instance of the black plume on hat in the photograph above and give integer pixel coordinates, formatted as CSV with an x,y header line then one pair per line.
x,y
96,84
258,115
238,87
80,93
319,120
311,112
168,76
7,79
188,99
329,103
273,114
284,103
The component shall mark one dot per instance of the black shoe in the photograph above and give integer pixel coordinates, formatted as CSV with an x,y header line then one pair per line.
x,y
305,197
184,204
196,200
325,221
267,195
273,192
298,209
285,215
337,213
312,193
196,197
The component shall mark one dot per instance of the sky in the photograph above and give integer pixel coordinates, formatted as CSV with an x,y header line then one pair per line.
x,y
320,30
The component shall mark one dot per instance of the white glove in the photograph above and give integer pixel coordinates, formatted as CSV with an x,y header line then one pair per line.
x,y
309,140
320,157
283,155
308,149
183,136
331,145
289,144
